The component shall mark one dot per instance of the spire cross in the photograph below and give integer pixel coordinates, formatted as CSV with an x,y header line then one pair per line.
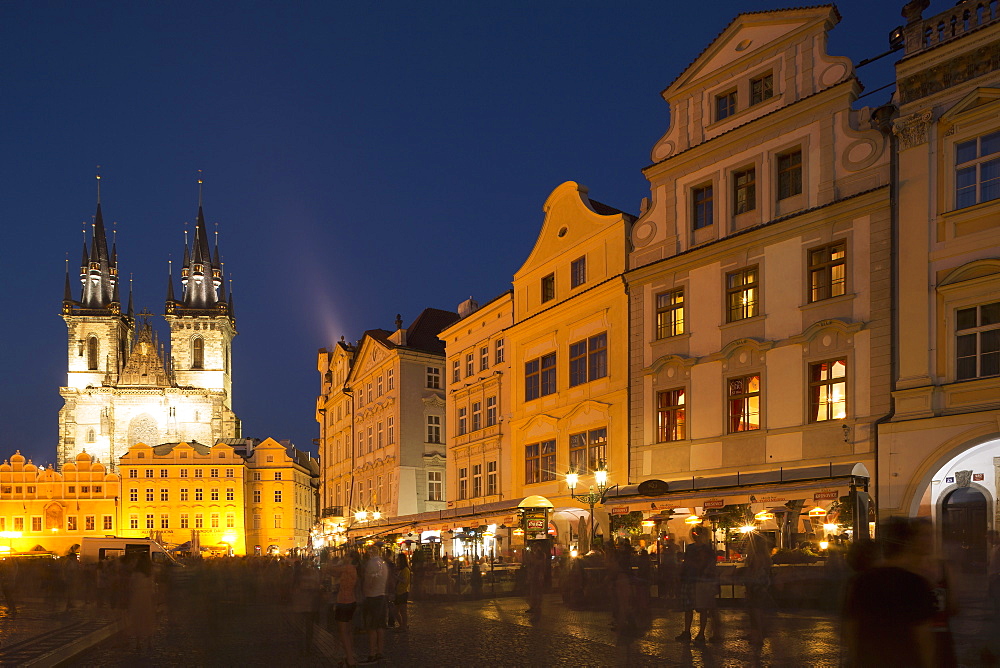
x,y
200,183
216,234
98,184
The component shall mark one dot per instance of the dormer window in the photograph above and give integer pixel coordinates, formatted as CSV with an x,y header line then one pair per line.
x,y
761,88
725,105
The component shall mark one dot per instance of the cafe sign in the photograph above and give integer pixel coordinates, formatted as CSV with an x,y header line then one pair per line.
x,y
619,510
714,503
821,496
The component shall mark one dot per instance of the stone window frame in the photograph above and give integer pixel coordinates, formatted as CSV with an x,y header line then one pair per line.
x,y
973,284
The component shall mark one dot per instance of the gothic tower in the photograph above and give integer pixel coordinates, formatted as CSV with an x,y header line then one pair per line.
x,y
202,323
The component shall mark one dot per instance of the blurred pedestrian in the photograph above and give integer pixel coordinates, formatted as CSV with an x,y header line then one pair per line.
x,y
699,587
346,572
756,576
8,584
667,568
890,608
373,608
306,593
141,607
403,576
535,564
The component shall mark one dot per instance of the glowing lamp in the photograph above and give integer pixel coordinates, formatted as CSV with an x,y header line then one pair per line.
x,y
571,480
360,516
573,553
229,537
692,519
830,528
747,528
601,478
518,532
823,545
817,512
376,515
763,516
649,524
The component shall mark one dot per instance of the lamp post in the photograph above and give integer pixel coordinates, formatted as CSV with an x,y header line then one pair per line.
x,y
596,493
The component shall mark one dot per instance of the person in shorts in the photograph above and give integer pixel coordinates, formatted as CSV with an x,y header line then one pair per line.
x,y
373,609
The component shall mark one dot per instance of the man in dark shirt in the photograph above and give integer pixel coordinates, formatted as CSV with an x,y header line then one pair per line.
x,y
888,612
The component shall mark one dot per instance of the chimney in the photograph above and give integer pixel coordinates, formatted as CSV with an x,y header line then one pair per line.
x,y
467,307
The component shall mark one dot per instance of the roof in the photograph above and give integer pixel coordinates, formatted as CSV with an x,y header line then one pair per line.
x,y
166,448
606,210
422,333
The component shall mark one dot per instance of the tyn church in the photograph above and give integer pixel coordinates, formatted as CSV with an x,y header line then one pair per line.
x,y
122,386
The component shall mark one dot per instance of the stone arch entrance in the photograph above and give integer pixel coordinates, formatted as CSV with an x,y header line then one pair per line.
x,y
964,519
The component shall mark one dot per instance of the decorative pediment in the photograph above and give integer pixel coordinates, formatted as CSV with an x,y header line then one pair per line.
x,y
988,268
731,348
972,101
537,421
812,331
433,401
588,406
669,360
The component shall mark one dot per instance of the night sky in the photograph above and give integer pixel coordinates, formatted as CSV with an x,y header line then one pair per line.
x,y
360,159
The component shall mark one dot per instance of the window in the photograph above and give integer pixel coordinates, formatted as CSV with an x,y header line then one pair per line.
x,y
164,473
828,390
390,433
670,313
150,521
230,494
588,359
744,403
434,378
539,462
36,523
230,520
277,521
199,521
92,353
477,415
701,202
827,271
164,495
133,521
463,420
230,473
484,358
725,105
134,473
199,473
548,287
491,478
277,496
222,455
71,523
133,495
977,341
164,521
214,495
671,416
390,380
379,435
498,352
477,480
183,473
19,524
456,371
741,294
433,428
540,377
789,174
378,386
744,191
587,449
256,474
198,353
184,520
371,441
434,486
256,496
470,365
198,494
277,475
368,389
107,523
91,436
213,473
463,483
149,473
491,411
214,520
578,272
184,494
977,174
761,88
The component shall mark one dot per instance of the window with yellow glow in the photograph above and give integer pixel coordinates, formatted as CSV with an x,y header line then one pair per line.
x,y
828,390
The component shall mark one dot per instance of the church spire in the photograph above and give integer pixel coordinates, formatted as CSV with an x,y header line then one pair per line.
x,y
99,271
201,275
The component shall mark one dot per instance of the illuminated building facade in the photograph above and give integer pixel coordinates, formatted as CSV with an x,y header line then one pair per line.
x,y
281,497
759,279
939,453
122,386
335,415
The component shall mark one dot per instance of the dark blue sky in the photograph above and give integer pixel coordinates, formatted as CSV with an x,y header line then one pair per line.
x,y
360,159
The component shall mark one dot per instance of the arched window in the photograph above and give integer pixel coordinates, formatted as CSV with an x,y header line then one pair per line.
x,y
92,352
90,436
198,353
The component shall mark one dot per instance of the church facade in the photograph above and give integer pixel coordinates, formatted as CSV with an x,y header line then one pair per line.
x,y
123,386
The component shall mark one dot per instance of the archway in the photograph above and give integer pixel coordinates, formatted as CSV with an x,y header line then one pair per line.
x,y
964,518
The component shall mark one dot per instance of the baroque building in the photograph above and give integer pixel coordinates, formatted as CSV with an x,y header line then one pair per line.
x,y
122,386
759,282
939,453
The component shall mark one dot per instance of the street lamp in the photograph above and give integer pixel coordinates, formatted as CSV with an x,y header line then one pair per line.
x,y
593,496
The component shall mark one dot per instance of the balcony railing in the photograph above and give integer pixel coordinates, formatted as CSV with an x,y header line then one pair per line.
x,y
966,16
333,511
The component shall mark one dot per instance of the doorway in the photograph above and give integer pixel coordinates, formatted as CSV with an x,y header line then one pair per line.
x,y
964,523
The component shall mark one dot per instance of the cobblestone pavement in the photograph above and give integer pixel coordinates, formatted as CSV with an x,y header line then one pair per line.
x,y
495,632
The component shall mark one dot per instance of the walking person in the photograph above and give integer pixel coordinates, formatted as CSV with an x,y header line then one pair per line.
x,y
890,608
373,608
403,576
306,592
346,573
8,584
699,587
756,576
141,608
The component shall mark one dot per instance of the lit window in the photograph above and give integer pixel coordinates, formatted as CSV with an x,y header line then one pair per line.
x,y
184,520
434,486
230,520
671,416
548,287
789,174
277,521
184,494
828,390
199,521
827,271
539,462
741,294
587,450
701,205
183,473
744,191
977,341
149,495
725,105
133,521
744,404
71,523
670,313
540,377
230,494
578,272
761,88
214,520
977,170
